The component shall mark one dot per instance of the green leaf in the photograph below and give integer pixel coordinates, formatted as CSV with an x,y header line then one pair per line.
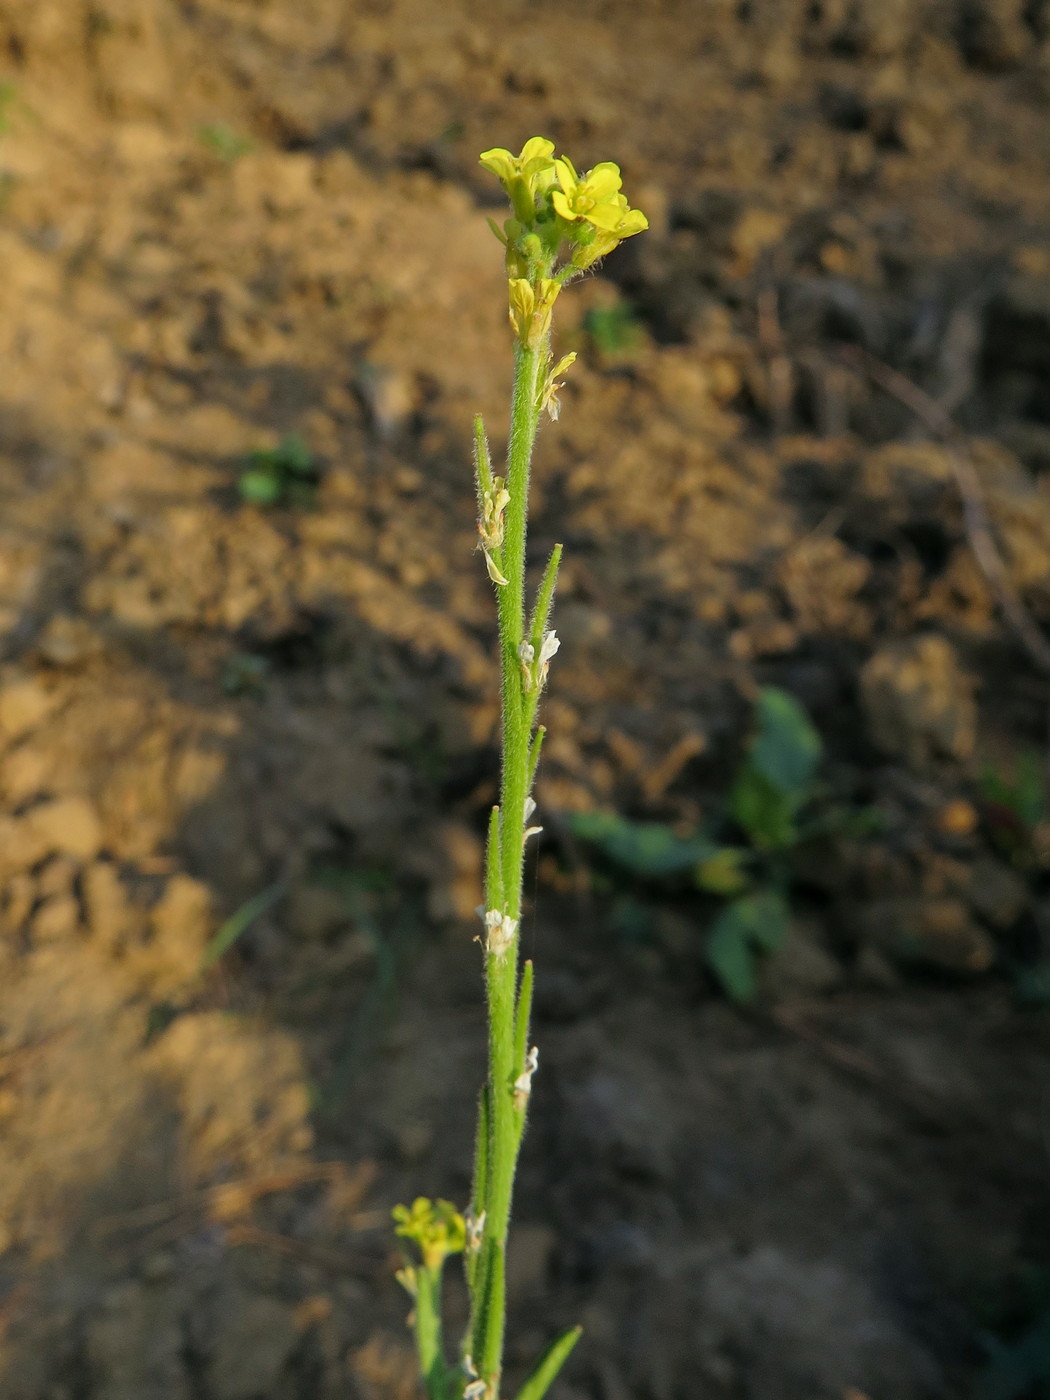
x,y
752,924
644,848
223,141
767,917
551,1362
260,488
787,748
765,812
227,934
723,872
731,960
294,456
614,330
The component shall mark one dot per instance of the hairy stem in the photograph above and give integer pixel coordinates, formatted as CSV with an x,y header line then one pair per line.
x,y
428,1332
506,1027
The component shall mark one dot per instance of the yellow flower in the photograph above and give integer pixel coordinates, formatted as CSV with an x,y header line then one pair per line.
x,y
596,200
524,176
534,164
593,198
437,1228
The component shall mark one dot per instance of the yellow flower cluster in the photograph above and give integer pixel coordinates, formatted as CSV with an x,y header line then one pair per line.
x,y
596,200
436,1227
554,206
524,177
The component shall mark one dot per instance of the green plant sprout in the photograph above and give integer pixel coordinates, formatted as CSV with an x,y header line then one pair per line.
x,y
615,331
245,673
285,475
223,142
8,103
772,794
562,223
1014,811
1015,808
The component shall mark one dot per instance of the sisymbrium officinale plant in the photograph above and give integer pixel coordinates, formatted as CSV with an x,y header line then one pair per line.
x,y
562,223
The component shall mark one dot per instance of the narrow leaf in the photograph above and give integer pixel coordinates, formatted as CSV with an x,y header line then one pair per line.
x,y
522,1016
227,934
479,1298
534,755
549,1365
495,1312
482,460
481,1154
544,598
493,869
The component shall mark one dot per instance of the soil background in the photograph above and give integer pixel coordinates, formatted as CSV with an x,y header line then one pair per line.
x,y
228,221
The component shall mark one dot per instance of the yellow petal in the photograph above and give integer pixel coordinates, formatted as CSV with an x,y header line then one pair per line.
x,y
536,148
499,161
603,180
562,206
567,177
634,221
605,217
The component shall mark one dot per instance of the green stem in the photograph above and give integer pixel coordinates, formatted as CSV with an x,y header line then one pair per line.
x,y
501,968
516,733
428,1332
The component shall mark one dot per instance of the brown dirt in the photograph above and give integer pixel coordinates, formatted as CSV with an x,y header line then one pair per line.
x,y
195,1168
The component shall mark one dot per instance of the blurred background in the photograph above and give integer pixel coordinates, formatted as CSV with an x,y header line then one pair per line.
x,y
791,1135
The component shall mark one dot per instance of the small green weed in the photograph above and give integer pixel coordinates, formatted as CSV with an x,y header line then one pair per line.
x,y
8,103
376,902
614,331
648,849
1015,807
162,1014
749,926
223,142
1014,810
245,673
775,780
285,475
228,932
770,804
